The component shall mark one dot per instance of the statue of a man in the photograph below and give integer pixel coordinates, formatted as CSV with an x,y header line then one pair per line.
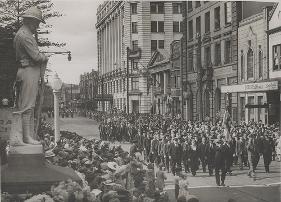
x,y
32,65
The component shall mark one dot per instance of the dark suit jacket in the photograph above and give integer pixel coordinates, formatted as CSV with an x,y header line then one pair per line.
x,y
202,149
210,152
176,152
220,156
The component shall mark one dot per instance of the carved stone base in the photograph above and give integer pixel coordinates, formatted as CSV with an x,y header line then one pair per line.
x,y
27,171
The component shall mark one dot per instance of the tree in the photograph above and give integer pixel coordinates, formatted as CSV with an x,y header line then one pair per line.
x,y
12,9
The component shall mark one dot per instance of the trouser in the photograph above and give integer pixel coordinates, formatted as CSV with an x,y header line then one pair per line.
x,y
220,178
256,160
29,78
210,166
151,158
203,161
177,190
251,172
173,166
167,163
245,158
194,167
157,159
266,160
229,163
240,161
186,166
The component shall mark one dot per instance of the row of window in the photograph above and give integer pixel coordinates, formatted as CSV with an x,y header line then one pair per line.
x,y
190,5
118,86
217,18
155,44
157,8
158,26
208,55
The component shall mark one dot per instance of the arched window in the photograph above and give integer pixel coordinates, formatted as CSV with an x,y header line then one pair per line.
x,y
250,64
260,64
242,65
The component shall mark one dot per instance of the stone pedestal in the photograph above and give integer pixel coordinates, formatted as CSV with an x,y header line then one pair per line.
x,y
27,171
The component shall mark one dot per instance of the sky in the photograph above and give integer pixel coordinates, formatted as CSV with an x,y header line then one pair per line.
x,y
76,28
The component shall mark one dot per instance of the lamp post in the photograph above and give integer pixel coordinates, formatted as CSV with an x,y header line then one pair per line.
x,y
56,85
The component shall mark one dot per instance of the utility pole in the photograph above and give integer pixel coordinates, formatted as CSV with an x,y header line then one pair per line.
x,y
181,78
128,101
102,94
199,81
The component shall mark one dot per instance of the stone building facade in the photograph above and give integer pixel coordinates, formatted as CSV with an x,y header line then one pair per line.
x,y
88,90
143,27
274,62
253,81
209,49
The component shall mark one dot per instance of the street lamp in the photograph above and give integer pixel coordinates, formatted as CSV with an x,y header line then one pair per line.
x,y
69,57
56,85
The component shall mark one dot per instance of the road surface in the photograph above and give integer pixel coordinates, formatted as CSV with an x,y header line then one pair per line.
x,y
266,187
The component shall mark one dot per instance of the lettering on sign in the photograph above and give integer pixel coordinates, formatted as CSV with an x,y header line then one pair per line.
x,y
251,87
5,123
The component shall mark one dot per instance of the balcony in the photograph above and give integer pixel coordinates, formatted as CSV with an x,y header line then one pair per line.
x,y
175,92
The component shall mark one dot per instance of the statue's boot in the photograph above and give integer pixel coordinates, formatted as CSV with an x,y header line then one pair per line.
x,y
27,128
16,135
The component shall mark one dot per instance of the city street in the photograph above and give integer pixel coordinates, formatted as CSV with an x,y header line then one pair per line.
x,y
266,187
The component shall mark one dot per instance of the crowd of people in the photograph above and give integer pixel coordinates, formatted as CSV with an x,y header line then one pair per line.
x,y
178,144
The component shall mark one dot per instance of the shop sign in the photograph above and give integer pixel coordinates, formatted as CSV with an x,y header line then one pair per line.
x,y
250,87
5,123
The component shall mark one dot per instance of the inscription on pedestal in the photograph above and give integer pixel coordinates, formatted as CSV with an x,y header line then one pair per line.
x,y
5,123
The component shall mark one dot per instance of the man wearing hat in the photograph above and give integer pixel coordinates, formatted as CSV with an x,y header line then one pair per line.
x,y
31,67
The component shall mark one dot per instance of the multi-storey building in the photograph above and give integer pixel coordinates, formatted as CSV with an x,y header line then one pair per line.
x,y
143,27
210,56
209,48
274,62
253,85
70,94
88,87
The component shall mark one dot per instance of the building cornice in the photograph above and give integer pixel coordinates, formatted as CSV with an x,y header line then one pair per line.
x,y
251,19
118,4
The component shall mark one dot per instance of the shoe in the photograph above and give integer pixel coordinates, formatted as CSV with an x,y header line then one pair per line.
x,y
222,184
218,185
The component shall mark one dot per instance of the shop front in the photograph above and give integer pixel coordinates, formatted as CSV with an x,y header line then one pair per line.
x,y
258,102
